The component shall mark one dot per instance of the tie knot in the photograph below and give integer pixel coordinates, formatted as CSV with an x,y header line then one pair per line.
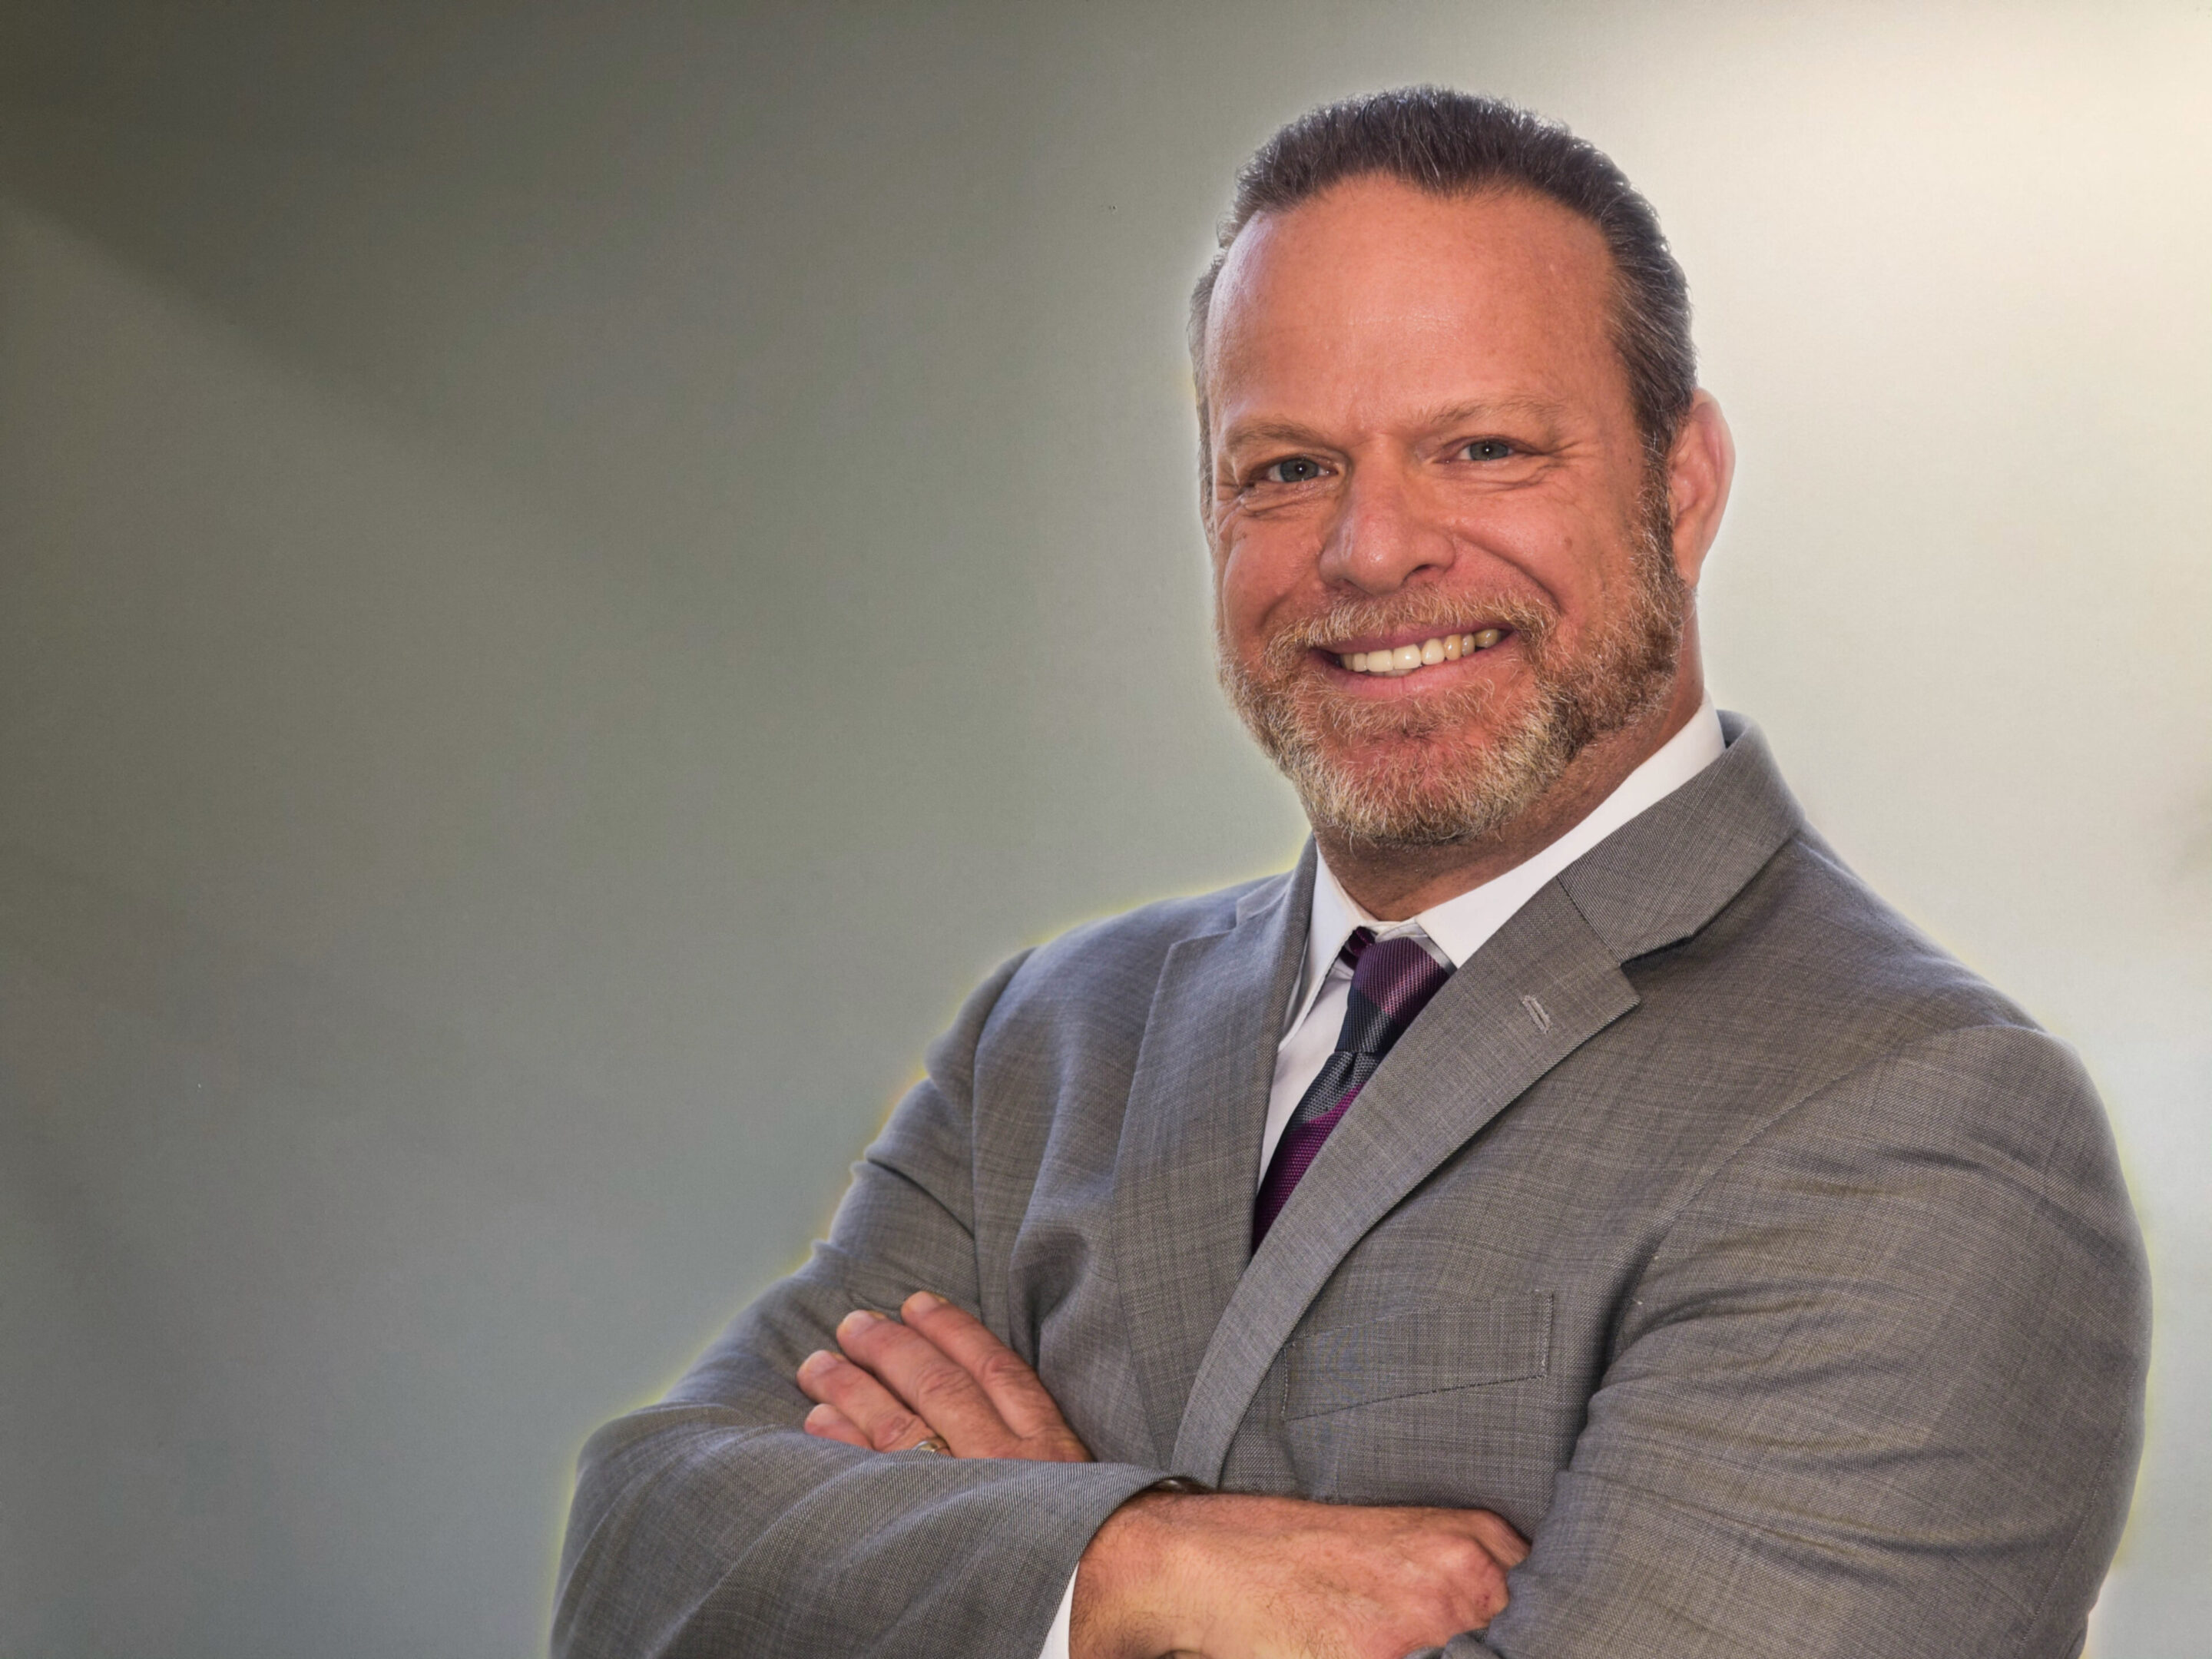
x,y
1393,979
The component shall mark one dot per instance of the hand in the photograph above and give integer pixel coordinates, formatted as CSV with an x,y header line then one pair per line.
x,y
939,1373
1245,1578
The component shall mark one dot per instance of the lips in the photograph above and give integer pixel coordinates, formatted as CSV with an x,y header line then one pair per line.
x,y
1394,661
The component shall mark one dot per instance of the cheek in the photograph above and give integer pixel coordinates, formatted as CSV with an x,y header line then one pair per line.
x,y
1254,573
1564,555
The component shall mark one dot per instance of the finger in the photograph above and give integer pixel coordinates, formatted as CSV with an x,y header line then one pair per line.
x,y
1467,1582
1013,1389
884,1420
827,1423
927,1381
1497,1535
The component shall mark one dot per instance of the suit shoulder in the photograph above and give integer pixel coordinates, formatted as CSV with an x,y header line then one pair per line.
x,y
1077,1006
1093,957
1807,948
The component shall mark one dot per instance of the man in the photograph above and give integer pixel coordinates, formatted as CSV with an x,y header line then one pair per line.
x,y
1567,1215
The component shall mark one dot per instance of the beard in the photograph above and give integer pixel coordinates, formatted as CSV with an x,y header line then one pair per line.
x,y
1453,767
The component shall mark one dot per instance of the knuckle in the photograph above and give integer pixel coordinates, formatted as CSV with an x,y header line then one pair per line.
x,y
1484,1589
1004,1366
854,1390
1465,1558
939,1382
894,1429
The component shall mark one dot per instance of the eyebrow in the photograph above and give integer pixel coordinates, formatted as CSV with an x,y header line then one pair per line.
x,y
1271,432
1474,413
1543,409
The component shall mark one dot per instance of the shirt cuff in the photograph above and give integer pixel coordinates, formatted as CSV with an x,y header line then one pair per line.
x,y
1056,1641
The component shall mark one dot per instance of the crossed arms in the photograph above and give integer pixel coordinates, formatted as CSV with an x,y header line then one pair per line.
x,y
1859,1401
1230,1577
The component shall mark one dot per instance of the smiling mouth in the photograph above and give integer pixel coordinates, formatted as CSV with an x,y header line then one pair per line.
x,y
1393,662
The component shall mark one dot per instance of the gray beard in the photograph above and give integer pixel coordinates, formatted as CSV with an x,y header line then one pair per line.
x,y
1439,784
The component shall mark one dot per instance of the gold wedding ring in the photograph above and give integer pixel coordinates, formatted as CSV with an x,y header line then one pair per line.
x,y
930,1443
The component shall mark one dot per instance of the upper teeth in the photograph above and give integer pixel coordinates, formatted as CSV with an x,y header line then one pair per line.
x,y
1405,658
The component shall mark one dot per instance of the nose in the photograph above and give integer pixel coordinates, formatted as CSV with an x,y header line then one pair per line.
x,y
1380,538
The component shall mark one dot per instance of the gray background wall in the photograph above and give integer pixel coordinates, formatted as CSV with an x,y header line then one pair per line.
x,y
569,576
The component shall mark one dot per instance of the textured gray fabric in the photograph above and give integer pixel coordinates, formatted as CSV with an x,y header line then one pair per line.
x,y
1768,1270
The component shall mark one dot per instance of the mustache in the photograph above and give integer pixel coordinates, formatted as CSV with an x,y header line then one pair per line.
x,y
1418,608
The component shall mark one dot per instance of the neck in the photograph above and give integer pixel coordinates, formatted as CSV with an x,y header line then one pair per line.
x,y
1394,883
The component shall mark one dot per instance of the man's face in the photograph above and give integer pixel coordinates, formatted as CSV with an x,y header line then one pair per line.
x,y
1423,439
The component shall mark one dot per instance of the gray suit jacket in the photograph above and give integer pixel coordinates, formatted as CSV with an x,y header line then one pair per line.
x,y
1767,1268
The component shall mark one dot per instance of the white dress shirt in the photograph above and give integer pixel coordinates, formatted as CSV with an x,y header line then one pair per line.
x,y
1451,933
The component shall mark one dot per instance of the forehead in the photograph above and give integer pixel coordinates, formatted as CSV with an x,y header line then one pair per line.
x,y
1375,295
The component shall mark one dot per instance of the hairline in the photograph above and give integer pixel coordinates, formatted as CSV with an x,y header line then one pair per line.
x,y
1620,299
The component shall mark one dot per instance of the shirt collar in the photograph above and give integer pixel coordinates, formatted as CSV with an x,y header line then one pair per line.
x,y
1459,926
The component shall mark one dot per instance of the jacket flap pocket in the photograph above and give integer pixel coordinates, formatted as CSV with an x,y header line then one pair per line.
x,y
1503,1340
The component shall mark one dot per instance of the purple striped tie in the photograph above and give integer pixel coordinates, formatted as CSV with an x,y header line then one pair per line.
x,y
1391,982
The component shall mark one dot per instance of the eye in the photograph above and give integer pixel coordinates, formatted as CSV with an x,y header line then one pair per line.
x,y
1293,470
1489,449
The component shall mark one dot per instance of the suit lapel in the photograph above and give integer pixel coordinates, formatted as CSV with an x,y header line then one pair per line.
x,y
1204,1327
1188,1161
1540,988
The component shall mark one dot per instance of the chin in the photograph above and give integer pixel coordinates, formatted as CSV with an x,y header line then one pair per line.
x,y
1414,772
1460,765
1446,789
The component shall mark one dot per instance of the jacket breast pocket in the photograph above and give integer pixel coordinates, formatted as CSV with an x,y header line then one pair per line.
x,y
1443,1405
1506,1339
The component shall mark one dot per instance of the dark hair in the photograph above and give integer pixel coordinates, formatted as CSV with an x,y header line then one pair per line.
x,y
1452,142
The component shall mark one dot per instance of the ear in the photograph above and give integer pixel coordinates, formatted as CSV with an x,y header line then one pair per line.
x,y
1700,469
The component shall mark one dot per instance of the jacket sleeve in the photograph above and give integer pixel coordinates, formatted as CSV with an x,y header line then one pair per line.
x,y
1878,1392
712,1524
